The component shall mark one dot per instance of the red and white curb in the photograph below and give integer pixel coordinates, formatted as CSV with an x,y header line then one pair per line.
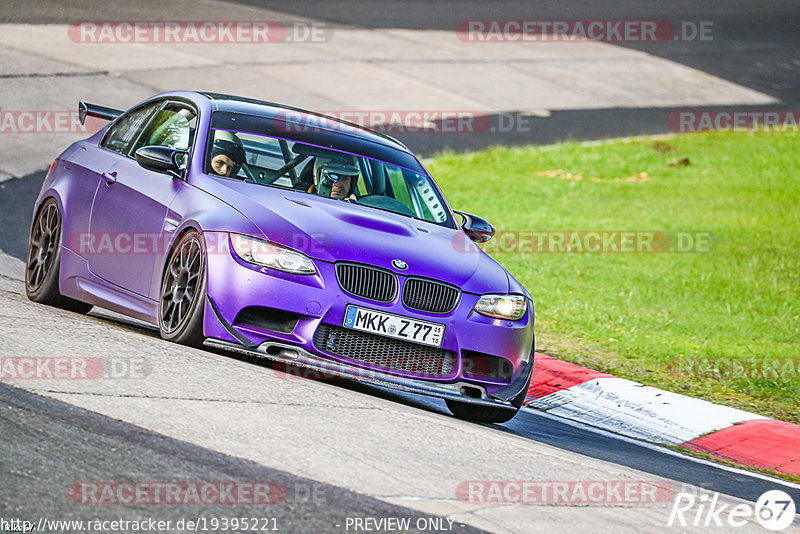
x,y
646,413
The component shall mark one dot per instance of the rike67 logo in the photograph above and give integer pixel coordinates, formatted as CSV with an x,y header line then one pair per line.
x,y
774,510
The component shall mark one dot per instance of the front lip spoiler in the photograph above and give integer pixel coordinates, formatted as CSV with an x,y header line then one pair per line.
x,y
298,357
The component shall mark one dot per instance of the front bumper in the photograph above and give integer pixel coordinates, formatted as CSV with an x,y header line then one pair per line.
x,y
316,300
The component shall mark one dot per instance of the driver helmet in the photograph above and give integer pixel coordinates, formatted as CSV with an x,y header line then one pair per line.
x,y
327,172
227,144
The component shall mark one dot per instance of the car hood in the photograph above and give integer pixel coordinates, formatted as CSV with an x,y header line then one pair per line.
x,y
333,230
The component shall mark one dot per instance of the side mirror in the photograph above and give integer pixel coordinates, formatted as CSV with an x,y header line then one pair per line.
x,y
476,228
161,159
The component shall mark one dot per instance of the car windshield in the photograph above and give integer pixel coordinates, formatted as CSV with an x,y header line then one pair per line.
x,y
327,172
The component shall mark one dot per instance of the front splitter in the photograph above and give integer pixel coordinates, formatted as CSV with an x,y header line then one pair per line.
x,y
299,358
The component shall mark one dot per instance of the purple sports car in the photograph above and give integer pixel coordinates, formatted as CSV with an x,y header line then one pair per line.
x,y
276,232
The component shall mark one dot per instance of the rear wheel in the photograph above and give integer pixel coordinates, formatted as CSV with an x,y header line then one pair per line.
x,y
479,413
181,305
44,261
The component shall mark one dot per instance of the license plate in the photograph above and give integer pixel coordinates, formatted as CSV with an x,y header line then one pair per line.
x,y
395,326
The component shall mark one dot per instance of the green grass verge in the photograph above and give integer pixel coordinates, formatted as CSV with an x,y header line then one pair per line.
x,y
722,325
706,456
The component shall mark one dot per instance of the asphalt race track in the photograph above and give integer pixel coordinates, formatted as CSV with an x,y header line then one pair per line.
x,y
340,450
755,45
49,445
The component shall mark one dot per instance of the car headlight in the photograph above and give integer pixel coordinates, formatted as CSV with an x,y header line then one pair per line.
x,y
260,252
502,306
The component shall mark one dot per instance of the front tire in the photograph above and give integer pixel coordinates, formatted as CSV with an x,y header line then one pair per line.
x,y
182,302
480,414
43,264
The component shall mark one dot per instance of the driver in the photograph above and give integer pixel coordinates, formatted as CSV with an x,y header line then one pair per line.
x,y
335,179
227,154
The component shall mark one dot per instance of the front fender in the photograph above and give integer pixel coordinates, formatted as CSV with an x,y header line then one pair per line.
x,y
195,209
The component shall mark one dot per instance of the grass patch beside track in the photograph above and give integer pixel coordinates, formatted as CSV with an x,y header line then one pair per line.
x,y
722,324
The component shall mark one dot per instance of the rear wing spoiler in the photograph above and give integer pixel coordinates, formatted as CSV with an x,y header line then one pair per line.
x,y
93,110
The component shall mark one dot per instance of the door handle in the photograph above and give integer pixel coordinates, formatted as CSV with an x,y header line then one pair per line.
x,y
110,177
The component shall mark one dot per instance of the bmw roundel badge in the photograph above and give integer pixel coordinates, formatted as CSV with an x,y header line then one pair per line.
x,y
399,265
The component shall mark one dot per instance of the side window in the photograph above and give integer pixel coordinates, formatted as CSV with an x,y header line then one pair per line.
x,y
127,129
263,156
262,152
171,127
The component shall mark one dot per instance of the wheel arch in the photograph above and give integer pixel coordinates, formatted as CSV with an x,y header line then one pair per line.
x,y
41,200
189,329
187,227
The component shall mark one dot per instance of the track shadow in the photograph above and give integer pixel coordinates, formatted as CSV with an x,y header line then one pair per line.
x,y
16,206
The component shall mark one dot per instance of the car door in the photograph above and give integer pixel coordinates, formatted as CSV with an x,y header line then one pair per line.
x,y
131,205
87,164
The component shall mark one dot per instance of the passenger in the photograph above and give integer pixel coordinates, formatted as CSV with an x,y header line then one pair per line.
x,y
227,154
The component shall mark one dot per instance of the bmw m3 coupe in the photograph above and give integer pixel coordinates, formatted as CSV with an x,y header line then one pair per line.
x,y
277,232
